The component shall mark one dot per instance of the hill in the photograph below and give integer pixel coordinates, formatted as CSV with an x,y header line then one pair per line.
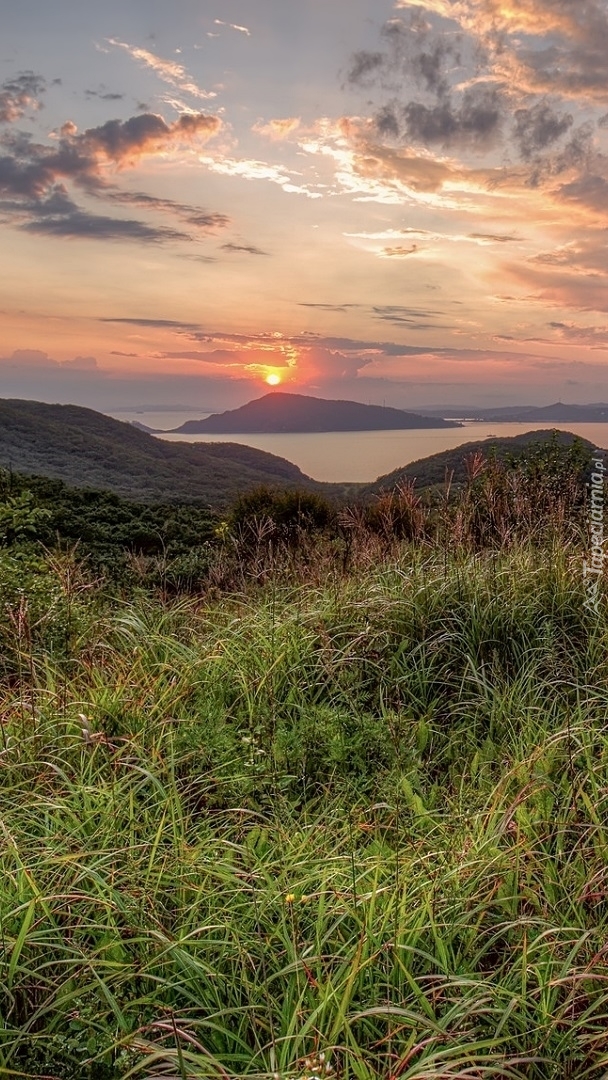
x,y
557,413
280,412
431,471
87,449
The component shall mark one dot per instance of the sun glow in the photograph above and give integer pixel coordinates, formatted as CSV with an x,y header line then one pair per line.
x,y
273,379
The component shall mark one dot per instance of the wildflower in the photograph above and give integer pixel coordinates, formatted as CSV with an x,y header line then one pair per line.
x,y
289,899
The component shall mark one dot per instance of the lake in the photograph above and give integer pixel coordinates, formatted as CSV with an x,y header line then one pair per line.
x,y
361,456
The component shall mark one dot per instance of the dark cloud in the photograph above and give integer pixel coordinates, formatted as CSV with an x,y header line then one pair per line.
x,y
81,157
423,53
33,176
364,67
330,307
247,249
538,127
173,324
573,63
26,179
79,223
589,191
416,51
411,318
578,151
118,140
198,258
476,121
307,339
109,96
202,219
595,337
575,156
387,121
19,94
399,252
497,238
428,68
347,345
225,357
392,311
420,56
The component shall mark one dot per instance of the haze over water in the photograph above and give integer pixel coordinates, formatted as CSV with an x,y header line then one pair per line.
x,y
361,456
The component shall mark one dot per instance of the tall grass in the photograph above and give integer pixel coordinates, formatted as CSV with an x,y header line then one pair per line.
x,y
339,824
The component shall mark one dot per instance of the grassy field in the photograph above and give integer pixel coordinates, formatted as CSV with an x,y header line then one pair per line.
x,y
337,822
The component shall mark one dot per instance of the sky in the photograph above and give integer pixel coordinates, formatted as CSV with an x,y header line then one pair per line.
x,y
399,201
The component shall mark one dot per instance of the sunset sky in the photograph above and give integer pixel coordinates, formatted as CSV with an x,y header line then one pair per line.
x,y
387,201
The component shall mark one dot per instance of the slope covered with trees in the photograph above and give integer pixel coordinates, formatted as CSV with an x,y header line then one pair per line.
x,y
87,449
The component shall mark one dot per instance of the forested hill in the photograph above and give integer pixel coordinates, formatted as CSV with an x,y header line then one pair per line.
x,y
433,470
281,412
87,449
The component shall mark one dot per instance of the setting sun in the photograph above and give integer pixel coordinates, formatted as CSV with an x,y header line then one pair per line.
x,y
273,380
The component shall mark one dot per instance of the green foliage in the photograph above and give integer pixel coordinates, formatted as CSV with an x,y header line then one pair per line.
x,y
164,545
84,448
20,518
345,817
351,827
558,452
280,515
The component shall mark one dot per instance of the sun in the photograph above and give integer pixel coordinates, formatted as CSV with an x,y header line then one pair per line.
x,y
273,379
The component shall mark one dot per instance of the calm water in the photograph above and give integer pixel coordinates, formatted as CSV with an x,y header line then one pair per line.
x,y
352,456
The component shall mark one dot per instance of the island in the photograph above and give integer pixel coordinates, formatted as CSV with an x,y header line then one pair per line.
x,y
283,413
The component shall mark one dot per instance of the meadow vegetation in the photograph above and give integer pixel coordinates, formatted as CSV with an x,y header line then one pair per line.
x,y
335,805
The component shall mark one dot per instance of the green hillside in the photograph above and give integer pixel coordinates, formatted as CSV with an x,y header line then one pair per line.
x,y
87,449
452,464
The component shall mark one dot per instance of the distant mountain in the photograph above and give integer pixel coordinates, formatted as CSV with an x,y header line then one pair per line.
x,y
433,470
289,413
558,413
87,449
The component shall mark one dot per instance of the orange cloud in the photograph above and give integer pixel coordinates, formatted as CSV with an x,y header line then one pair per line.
x,y
277,129
125,140
168,70
18,94
573,67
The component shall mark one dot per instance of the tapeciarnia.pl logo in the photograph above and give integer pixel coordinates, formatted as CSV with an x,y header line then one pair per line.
x,y
593,568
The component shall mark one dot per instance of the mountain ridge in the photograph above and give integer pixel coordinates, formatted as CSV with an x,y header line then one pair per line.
x,y
558,412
